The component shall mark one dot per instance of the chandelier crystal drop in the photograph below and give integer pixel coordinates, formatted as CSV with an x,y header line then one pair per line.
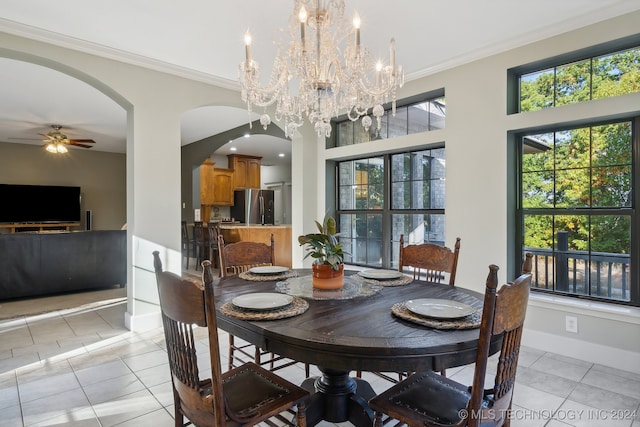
x,y
321,73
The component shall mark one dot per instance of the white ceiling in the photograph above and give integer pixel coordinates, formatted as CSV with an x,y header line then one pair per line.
x,y
204,39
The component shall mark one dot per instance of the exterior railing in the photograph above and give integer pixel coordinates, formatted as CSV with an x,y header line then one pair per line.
x,y
598,274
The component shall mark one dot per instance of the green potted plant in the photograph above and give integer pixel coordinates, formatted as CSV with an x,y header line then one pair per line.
x,y
326,250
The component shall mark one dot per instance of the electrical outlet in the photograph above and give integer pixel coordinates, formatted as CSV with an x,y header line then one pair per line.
x,y
571,324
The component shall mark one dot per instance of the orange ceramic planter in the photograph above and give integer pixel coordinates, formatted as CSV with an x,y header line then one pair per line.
x,y
325,277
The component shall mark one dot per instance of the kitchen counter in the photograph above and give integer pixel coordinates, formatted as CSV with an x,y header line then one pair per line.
x,y
262,234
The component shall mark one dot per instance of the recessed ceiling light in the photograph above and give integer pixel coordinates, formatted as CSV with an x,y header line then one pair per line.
x,y
247,135
233,149
281,155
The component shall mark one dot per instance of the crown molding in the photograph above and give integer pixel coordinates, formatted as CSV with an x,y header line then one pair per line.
x,y
72,43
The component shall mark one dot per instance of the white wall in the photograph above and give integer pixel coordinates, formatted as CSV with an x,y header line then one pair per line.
x,y
478,194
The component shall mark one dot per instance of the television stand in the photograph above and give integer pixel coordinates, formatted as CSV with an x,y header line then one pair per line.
x,y
40,226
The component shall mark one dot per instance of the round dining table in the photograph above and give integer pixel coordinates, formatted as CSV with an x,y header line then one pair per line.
x,y
359,333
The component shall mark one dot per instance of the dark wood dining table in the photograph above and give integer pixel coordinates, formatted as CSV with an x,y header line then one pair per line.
x,y
361,333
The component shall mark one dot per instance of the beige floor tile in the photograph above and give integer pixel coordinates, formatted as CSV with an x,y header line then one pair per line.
x,y
156,418
157,375
54,406
536,400
84,417
146,360
126,408
164,393
565,367
47,386
580,415
617,383
102,372
112,389
8,395
546,382
12,416
603,399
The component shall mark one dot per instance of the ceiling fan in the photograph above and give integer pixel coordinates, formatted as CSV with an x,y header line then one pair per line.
x,y
56,141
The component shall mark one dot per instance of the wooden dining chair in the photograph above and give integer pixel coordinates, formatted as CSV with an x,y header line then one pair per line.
x,y
527,264
213,231
187,243
245,395
428,399
429,261
239,257
236,258
200,242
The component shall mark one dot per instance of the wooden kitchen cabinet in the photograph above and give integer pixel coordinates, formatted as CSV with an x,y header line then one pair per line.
x,y
206,182
223,187
216,185
246,170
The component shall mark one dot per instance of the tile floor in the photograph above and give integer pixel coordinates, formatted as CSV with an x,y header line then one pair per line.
x,y
80,366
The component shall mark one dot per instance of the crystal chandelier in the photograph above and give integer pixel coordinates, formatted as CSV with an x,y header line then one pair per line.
x,y
322,73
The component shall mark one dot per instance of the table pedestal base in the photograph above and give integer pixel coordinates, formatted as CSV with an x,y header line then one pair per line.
x,y
337,397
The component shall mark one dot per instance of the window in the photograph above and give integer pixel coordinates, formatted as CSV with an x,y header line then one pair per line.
x,y
578,211
414,117
382,197
594,77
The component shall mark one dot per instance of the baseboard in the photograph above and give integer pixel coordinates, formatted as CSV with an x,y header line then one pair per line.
x,y
590,352
142,322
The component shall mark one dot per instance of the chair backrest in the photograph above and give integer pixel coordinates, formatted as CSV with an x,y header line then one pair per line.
x,y
430,260
503,314
527,264
185,233
199,233
240,256
213,231
185,304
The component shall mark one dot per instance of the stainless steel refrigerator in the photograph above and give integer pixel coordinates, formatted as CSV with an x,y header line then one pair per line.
x,y
253,206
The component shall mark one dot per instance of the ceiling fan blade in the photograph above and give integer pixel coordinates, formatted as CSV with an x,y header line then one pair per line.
x,y
28,139
79,145
88,141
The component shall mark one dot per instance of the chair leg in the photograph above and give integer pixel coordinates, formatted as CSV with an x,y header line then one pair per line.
x,y
307,370
177,415
377,421
231,356
507,415
301,417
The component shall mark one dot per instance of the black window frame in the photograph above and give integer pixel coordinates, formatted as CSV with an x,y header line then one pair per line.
x,y
632,211
389,245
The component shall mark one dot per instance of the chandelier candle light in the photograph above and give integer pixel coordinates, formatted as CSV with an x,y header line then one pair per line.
x,y
322,73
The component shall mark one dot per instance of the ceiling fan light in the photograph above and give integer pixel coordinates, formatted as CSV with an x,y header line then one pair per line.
x,y
51,148
62,149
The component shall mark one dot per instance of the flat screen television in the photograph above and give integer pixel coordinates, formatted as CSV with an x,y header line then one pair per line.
x,y
39,203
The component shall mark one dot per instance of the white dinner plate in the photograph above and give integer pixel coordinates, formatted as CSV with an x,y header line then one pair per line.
x,y
439,308
268,269
380,274
262,301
